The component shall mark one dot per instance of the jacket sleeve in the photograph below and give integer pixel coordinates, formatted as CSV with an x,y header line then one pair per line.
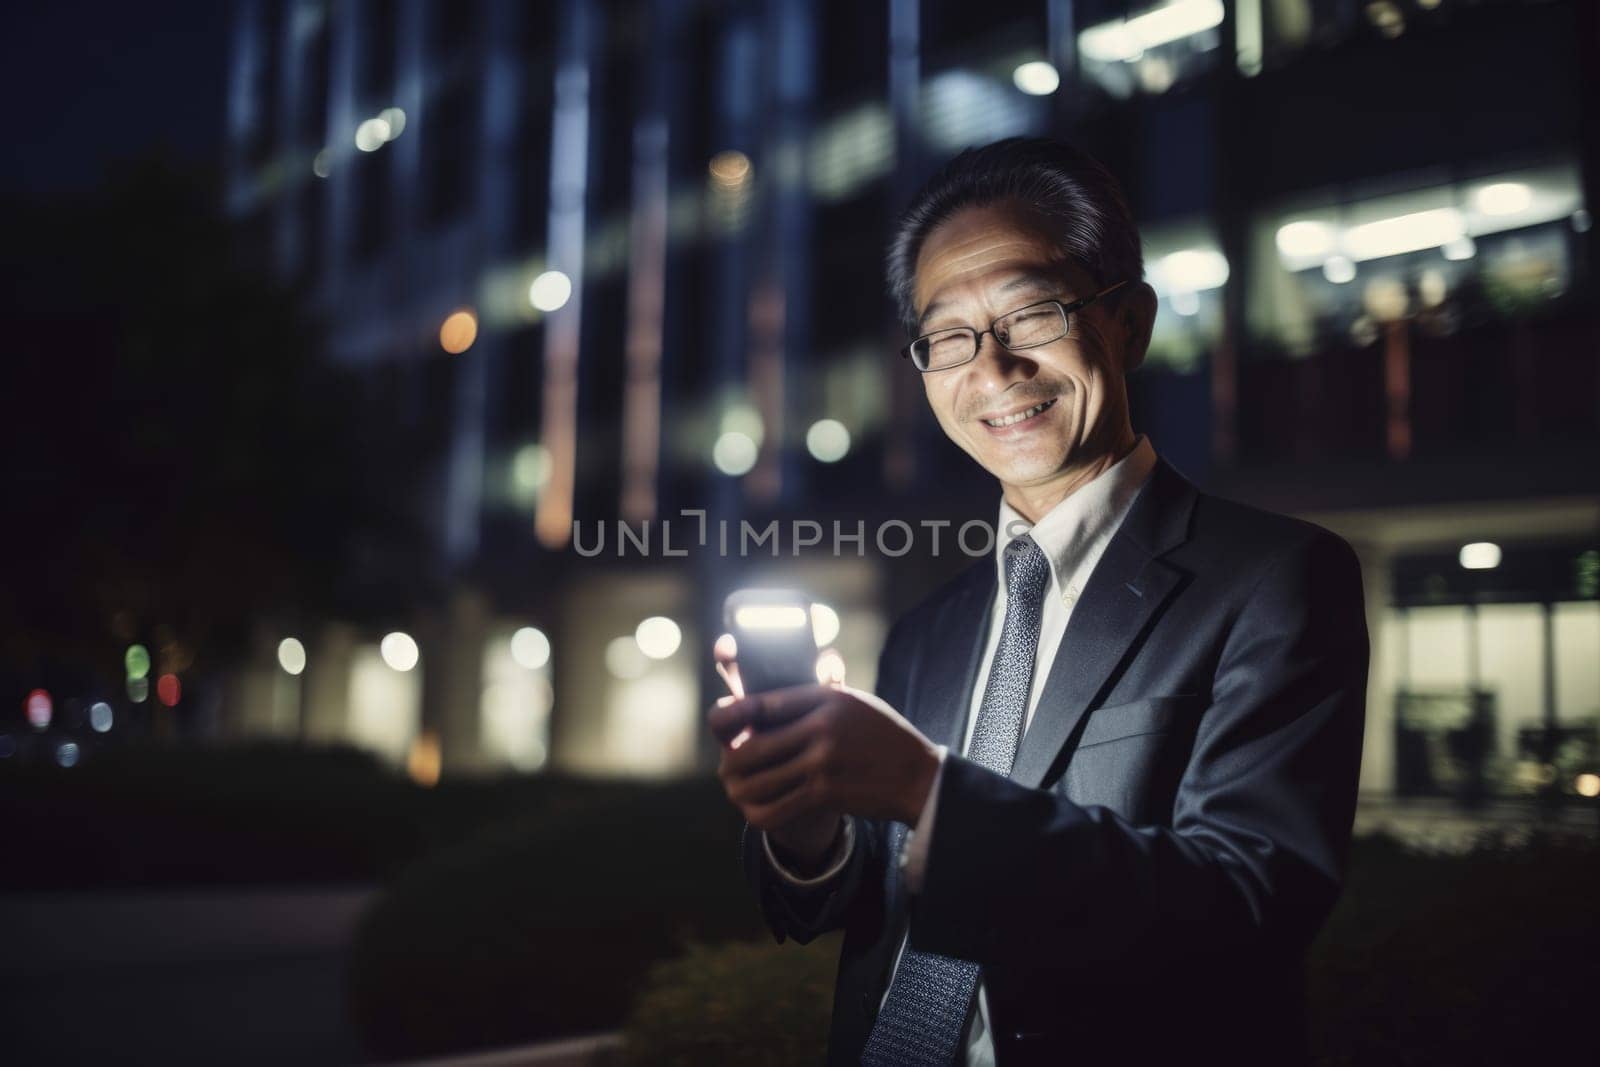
x,y
1255,854
806,912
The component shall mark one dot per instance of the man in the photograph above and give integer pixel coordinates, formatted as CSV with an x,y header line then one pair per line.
x,y
1102,799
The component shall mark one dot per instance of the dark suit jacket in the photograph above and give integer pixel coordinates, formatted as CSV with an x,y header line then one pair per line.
x,y
1174,830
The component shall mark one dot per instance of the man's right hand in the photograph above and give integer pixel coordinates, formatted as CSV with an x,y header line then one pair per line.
x,y
753,778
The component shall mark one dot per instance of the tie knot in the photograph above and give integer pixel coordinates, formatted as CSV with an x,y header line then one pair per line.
x,y
1027,570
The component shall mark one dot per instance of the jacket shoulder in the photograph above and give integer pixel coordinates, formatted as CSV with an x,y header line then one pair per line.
x,y
1249,538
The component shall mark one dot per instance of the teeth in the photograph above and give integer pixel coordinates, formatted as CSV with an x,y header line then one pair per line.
x,y
1011,420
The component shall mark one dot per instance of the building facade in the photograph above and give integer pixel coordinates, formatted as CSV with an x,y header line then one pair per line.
x,y
613,271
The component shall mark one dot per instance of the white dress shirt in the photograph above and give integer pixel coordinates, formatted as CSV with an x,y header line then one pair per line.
x,y
1073,535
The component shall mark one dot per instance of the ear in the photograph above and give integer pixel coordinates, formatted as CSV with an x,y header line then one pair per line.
x,y
1135,318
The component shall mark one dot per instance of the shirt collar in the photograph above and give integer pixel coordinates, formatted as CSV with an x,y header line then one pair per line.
x,y
1089,513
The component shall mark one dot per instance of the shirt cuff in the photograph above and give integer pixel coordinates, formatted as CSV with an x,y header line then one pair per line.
x,y
842,852
914,856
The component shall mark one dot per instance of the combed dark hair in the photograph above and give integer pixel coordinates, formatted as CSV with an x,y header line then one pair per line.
x,y
1068,189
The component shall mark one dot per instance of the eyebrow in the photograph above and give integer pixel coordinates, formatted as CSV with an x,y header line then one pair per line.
x,y
1040,280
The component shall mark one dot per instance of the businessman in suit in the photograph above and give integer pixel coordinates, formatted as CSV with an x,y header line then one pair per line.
x,y
1101,800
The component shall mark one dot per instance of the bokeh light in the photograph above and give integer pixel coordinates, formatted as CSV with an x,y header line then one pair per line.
x,y
399,651
372,134
1037,78
68,754
395,119
169,690
1480,556
824,624
625,660
827,440
40,709
291,655
137,662
138,690
734,453
730,169
658,637
101,717
530,648
550,291
458,331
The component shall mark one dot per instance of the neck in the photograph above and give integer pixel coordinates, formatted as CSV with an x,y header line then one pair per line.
x,y
1033,502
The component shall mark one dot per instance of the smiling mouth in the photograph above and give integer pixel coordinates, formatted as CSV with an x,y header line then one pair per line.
x,y
1020,416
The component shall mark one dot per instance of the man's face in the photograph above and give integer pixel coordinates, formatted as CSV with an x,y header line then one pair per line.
x,y
984,262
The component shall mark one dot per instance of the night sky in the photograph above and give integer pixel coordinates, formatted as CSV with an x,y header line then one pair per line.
x,y
85,85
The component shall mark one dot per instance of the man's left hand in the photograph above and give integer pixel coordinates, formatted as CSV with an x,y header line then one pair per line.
x,y
827,746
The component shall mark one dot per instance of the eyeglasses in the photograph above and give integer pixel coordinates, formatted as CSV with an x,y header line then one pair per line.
x,y
1028,327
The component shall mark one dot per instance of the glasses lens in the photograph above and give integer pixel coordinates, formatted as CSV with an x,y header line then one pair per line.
x,y
944,349
1031,326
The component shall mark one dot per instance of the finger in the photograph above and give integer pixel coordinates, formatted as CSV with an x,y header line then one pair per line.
x,y
767,785
729,716
730,678
779,706
830,667
768,748
724,651
803,799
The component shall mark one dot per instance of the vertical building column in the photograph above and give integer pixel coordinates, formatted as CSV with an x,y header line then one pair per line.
x,y
647,268
905,87
780,302
343,40
452,643
1383,677
569,186
327,682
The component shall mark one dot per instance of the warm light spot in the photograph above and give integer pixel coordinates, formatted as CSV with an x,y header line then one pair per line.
x,y
1037,78
658,637
530,648
291,655
425,760
399,651
1459,249
1480,556
1588,785
827,440
169,690
458,332
730,169
550,291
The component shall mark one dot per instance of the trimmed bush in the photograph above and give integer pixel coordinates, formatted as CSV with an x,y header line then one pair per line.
x,y
756,1003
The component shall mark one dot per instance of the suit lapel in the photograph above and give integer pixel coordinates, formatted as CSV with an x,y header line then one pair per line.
x,y
952,657
1129,586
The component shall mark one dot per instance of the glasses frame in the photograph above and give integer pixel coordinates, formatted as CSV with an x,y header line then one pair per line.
x,y
1066,309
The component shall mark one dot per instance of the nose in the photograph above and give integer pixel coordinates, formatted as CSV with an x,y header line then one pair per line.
x,y
1002,362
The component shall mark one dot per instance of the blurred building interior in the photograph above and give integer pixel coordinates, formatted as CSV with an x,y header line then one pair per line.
x,y
622,261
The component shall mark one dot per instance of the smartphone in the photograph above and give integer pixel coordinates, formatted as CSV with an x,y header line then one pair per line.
x,y
777,647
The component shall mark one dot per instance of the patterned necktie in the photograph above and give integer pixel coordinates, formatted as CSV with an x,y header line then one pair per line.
x,y
926,1011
